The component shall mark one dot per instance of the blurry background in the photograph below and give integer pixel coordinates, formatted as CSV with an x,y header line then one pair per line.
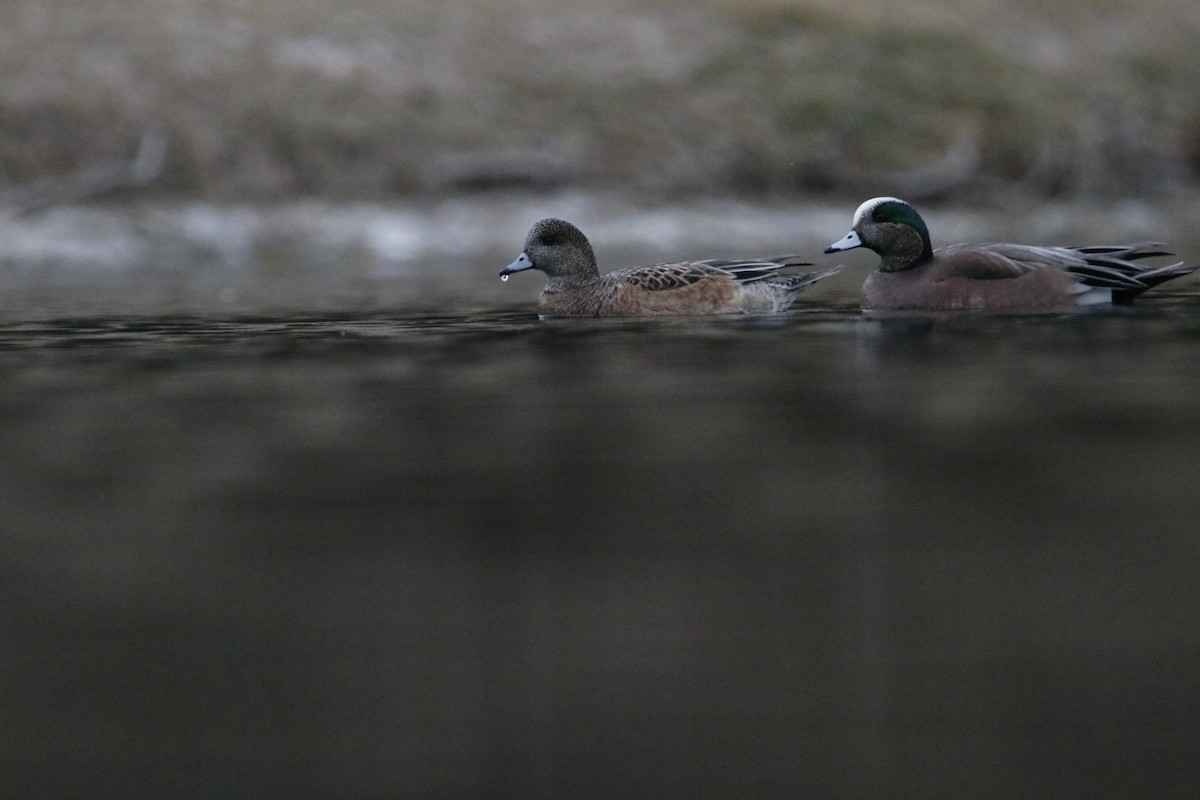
x,y
297,499
366,99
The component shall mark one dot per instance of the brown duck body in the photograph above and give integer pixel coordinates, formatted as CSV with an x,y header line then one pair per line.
x,y
684,288
913,276
575,288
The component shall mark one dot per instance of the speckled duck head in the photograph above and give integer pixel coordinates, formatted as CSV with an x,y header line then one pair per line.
x,y
560,250
893,229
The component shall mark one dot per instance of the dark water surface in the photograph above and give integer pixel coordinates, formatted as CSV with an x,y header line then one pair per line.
x,y
386,555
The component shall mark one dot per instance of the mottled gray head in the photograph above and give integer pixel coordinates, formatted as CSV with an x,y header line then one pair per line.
x,y
557,248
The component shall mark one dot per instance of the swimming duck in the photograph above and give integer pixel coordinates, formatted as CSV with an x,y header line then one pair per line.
x,y
575,287
912,275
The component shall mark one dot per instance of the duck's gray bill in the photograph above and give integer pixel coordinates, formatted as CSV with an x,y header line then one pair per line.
x,y
847,242
522,263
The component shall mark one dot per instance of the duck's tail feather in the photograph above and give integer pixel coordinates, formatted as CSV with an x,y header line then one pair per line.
x,y
796,283
1113,267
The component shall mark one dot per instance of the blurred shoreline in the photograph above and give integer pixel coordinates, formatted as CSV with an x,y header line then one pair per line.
x,y
382,101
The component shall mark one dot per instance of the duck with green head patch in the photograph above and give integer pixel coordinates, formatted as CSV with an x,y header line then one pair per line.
x,y
575,287
912,275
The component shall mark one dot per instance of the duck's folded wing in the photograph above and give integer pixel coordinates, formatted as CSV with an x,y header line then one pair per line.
x,y
1000,261
757,269
1125,252
661,277
772,262
664,277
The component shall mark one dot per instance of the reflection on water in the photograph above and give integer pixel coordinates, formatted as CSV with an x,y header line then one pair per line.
x,y
813,555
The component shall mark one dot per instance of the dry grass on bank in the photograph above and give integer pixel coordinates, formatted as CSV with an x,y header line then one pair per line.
x,y
378,98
